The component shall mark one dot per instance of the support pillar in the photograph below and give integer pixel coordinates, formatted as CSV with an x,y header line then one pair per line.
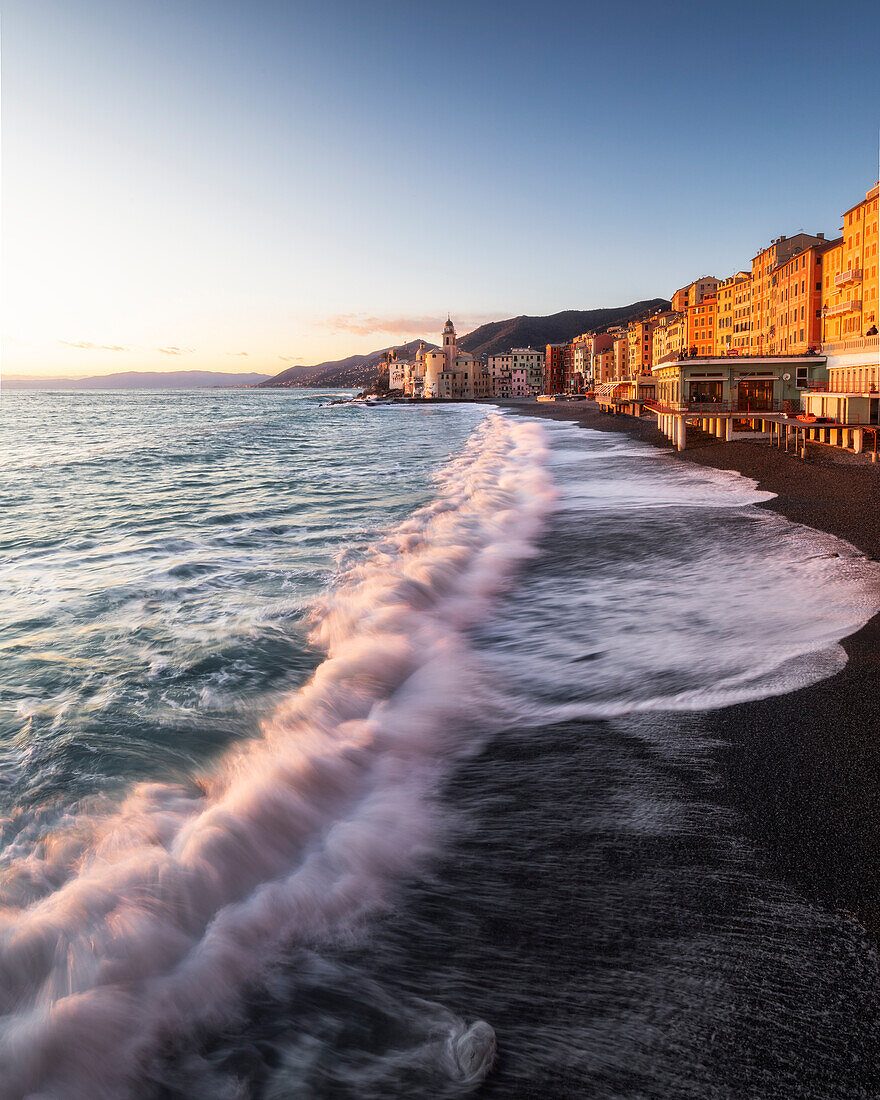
x,y
858,441
681,440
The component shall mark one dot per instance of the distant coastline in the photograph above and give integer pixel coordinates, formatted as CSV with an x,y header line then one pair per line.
x,y
134,380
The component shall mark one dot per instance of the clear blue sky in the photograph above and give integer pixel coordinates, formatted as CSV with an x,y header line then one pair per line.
x,y
253,184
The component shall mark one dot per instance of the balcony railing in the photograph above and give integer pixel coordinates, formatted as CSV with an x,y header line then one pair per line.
x,y
844,307
855,344
716,408
853,275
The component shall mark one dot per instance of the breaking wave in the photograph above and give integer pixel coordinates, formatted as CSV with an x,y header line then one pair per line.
x,y
126,931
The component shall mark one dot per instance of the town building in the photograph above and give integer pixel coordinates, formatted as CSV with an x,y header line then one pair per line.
x,y
767,305
554,368
850,315
733,314
701,326
516,373
621,358
640,337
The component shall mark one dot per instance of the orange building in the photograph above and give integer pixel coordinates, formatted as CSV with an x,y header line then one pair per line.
x,y
765,281
850,314
640,340
797,319
694,293
701,327
850,285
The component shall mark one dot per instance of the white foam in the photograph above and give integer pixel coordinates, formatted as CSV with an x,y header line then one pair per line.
x,y
129,929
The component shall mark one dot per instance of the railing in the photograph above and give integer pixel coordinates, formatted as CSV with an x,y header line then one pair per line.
x,y
717,408
844,307
856,343
853,275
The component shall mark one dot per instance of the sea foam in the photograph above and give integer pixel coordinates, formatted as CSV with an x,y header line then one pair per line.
x,y
130,929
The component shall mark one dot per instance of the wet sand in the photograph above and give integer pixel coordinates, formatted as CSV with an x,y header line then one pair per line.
x,y
803,769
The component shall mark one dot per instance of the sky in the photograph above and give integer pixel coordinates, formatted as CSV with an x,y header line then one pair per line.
x,y
254,185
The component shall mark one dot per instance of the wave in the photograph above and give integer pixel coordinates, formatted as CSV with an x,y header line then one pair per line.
x,y
130,928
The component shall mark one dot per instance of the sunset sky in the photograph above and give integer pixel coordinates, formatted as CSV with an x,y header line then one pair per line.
x,y
247,186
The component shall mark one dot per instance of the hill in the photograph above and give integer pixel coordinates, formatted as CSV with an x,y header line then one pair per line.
x,y
498,336
558,328
356,370
134,380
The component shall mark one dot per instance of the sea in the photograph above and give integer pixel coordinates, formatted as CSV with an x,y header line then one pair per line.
x,y
367,752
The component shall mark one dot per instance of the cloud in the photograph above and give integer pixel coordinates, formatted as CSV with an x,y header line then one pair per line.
x,y
236,353
291,359
174,350
87,345
361,325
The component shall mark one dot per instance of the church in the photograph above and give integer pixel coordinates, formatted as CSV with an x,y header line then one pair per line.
x,y
453,375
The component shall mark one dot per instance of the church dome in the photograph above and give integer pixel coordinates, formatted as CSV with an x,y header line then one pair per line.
x,y
449,326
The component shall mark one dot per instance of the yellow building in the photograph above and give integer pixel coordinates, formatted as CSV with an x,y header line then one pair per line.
x,y
850,314
669,337
850,286
639,336
621,358
733,314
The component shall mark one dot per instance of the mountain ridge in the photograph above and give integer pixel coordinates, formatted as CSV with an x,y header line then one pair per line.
x,y
354,370
488,339
555,328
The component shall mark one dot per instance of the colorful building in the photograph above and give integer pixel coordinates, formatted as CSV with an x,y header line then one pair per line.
x,y
733,320
767,306
554,368
516,373
640,337
701,326
850,314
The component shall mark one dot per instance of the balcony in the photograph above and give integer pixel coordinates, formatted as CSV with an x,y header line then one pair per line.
x,y
853,275
844,307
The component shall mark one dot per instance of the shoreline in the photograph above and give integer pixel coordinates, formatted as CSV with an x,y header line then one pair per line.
x,y
802,769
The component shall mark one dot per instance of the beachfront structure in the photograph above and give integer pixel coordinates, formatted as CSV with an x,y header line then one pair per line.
x,y
730,384
516,373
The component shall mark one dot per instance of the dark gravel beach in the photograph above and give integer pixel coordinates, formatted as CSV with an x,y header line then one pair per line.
x,y
803,768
